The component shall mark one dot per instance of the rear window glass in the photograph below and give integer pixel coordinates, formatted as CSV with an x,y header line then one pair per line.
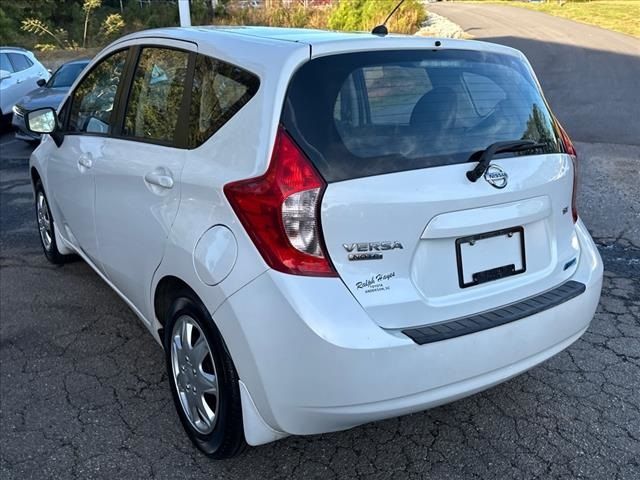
x,y
219,91
370,113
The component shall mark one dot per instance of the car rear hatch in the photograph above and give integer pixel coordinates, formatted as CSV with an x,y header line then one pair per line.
x,y
394,133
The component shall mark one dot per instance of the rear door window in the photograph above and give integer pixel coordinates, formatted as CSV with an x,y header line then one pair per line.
x,y
370,113
219,91
20,62
156,95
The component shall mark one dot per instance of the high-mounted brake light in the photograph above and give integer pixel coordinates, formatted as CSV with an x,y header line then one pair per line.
x,y
280,211
571,151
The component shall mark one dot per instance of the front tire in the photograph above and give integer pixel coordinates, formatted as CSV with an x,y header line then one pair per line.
x,y
203,379
46,227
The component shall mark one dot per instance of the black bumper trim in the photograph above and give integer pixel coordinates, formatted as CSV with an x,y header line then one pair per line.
x,y
494,318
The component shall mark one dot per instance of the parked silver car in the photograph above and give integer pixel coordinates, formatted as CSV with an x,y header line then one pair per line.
x,y
19,73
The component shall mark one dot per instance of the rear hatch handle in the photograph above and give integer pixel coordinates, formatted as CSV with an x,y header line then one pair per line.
x,y
492,150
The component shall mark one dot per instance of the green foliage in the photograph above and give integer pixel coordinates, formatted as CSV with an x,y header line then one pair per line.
x,y
90,5
276,15
363,15
112,25
38,27
142,16
7,29
348,16
93,23
45,47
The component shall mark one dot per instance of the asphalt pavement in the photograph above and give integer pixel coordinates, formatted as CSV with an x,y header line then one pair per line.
x,y
589,75
83,393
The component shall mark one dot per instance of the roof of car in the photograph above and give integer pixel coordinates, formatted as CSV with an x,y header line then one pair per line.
x,y
320,41
77,61
19,49
300,35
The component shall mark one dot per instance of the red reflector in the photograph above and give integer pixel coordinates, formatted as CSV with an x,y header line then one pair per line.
x,y
571,151
258,203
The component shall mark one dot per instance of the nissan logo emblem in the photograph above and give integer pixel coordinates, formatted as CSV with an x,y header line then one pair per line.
x,y
496,177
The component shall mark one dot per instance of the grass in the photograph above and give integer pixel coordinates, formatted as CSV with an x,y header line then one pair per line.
x,y
618,15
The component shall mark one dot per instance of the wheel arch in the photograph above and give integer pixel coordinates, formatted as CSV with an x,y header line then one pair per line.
x,y
35,177
166,291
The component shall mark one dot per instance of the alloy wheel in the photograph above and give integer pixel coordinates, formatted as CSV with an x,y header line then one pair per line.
x,y
44,221
194,374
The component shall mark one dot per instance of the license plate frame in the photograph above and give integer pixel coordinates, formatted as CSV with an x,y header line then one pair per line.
x,y
497,272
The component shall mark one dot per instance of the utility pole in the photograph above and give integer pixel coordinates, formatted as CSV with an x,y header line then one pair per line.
x,y
185,13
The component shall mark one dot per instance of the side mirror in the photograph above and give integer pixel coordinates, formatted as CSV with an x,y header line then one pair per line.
x,y
41,82
44,120
4,74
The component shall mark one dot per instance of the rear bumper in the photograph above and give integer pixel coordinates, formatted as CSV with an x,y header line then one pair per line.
x,y
313,361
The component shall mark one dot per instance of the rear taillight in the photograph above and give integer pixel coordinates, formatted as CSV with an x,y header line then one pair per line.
x,y
280,211
571,151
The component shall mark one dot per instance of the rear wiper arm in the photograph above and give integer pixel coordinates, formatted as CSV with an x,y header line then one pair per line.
x,y
495,148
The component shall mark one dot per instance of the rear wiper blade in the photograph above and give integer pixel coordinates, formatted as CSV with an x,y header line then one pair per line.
x,y
499,147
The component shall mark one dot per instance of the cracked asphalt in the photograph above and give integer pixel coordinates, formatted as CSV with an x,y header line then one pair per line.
x,y
83,393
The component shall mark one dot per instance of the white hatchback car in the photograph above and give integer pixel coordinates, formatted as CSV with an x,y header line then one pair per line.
x,y
321,229
20,72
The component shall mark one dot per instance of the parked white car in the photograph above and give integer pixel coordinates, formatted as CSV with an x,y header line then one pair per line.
x,y
20,73
321,229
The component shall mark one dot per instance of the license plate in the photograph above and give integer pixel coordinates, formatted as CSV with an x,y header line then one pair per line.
x,y
490,256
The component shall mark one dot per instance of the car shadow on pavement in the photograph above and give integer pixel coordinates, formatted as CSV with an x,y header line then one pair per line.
x,y
84,394
594,93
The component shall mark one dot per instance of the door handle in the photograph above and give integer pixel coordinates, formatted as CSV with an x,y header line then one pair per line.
x,y
85,162
160,179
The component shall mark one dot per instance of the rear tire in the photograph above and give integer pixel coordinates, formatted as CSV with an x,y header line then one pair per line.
x,y
47,228
203,379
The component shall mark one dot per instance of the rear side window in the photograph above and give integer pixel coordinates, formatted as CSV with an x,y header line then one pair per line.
x,y
370,113
219,91
156,95
5,64
20,62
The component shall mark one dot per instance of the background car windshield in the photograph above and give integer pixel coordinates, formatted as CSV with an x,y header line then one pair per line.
x,y
370,113
65,75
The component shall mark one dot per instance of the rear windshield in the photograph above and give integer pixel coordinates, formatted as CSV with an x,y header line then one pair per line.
x,y
370,113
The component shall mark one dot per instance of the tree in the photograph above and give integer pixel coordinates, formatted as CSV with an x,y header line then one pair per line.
x,y
537,128
33,25
7,34
89,6
112,24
